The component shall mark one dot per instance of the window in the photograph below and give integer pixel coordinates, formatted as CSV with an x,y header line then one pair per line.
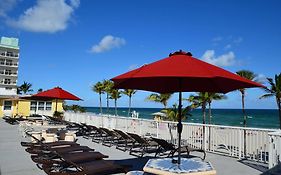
x,y
7,81
8,72
10,54
41,105
7,105
2,61
48,106
9,62
33,105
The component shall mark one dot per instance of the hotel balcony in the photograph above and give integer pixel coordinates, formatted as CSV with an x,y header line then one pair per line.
x,y
7,73
9,55
8,83
8,64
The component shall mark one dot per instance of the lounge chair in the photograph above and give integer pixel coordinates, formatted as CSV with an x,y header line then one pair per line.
x,y
96,167
100,135
142,145
127,140
59,149
10,120
41,144
111,137
165,146
76,157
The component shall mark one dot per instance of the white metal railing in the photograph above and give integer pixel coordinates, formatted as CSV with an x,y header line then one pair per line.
x,y
274,149
219,139
9,54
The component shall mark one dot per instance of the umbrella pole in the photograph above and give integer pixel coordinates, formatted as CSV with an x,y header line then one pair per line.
x,y
179,128
56,105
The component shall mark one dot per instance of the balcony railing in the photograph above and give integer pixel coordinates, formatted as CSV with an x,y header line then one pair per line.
x,y
11,55
8,83
8,73
9,64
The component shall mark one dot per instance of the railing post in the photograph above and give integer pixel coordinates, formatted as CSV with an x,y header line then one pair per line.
x,y
205,138
140,123
127,125
157,129
240,144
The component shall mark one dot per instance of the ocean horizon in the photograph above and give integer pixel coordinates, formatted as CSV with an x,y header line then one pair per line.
x,y
256,118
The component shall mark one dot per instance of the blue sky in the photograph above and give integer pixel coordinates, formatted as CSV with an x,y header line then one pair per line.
x,y
74,44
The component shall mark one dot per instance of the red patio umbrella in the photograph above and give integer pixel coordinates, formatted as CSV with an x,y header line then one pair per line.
x,y
55,93
181,72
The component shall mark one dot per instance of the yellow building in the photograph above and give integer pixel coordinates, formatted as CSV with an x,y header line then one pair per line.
x,y
15,106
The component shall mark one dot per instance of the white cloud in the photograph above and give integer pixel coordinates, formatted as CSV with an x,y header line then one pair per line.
x,y
107,43
227,59
46,16
6,6
261,78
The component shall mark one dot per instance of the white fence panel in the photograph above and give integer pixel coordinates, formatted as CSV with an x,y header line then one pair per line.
x,y
224,140
275,149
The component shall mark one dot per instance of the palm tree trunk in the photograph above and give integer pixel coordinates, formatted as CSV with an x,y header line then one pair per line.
x,y
107,103
130,102
204,113
115,103
243,109
210,113
279,109
100,105
204,122
170,131
244,123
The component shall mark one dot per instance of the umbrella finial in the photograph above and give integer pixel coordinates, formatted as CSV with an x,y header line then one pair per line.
x,y
180,52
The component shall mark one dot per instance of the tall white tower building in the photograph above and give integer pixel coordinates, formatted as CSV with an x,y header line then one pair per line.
x,y
9,59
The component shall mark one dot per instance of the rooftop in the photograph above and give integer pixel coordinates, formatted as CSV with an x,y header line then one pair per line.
x,y
9,42
15,161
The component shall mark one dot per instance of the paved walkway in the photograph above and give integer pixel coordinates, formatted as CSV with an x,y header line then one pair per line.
x,y
15,161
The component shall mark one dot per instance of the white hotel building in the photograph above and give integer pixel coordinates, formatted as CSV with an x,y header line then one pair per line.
x,y
9,59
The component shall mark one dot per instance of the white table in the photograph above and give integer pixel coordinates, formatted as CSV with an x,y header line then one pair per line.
x,y
164,166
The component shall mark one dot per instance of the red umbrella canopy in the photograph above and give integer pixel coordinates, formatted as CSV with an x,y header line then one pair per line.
x,y
181,72
55,93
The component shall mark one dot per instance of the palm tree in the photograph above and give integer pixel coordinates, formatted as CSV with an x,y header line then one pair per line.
x,y
108,85
25,88
172,114
201,99
115,94
39,90
275,91
160,98
77,108
163,99
129,93
213,96
98,88
250,76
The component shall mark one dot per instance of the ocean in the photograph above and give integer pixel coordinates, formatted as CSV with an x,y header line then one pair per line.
x,y
257,118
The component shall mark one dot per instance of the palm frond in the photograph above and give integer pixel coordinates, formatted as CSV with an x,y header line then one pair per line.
x,y
266,96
